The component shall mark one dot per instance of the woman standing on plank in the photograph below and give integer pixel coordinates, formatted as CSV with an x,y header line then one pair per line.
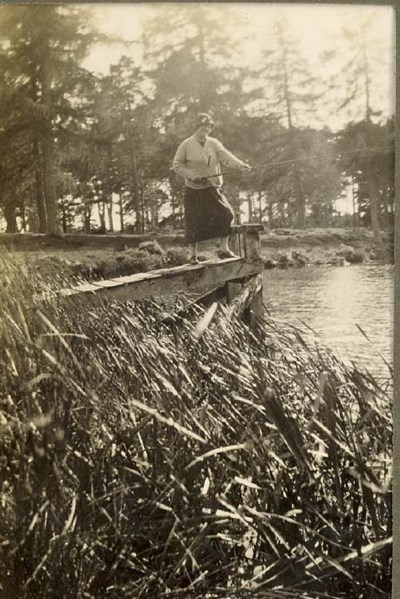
x,y
208,213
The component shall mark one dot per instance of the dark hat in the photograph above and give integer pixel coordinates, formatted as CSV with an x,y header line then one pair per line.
x,y
203,119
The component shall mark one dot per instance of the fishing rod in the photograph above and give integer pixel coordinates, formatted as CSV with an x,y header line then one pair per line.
x,y
282,162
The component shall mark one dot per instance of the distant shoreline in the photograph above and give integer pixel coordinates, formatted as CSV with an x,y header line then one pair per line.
x,y
281,238
326,246
104,256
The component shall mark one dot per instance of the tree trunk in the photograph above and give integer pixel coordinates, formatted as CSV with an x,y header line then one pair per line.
x,y
64,218
134,179
121,213
136,196
270,205
154,214
23,216
371,184
282,216
40,203
386,208
173,208
102,216
374,209
110,187
11,217
260,213
181,216
48,165
300,202
37,161
353,198
372,187
250,207
53,222
142,211
87,213
317,215
110,205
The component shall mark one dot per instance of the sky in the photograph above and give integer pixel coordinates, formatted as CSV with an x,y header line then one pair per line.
x,y
315,26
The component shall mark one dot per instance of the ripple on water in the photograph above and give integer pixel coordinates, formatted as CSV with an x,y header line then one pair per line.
x,y
335,301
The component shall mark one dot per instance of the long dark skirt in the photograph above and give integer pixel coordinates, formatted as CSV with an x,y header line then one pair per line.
x,y
208,214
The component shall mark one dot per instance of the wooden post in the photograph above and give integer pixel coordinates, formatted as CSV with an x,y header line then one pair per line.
x,y
252,253
251,240
232,289
235,244
252,248
256,308
248,302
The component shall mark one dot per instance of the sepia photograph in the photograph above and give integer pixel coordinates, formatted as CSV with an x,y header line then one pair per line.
x,y
197,213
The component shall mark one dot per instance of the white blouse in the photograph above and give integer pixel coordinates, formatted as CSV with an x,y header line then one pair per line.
x,y
192,159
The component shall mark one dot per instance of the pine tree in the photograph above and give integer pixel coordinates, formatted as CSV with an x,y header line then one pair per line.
x,y
357,81
289,93
42,51
375,164
123,126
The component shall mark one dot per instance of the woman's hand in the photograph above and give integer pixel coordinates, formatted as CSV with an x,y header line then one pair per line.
x,y
197,179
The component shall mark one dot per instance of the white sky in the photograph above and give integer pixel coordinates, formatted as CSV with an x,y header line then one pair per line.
x,y
313,22
316,28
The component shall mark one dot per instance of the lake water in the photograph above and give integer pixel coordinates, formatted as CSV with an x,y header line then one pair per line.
x,y
333,300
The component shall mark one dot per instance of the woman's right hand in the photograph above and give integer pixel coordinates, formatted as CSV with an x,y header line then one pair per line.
x,y
198,179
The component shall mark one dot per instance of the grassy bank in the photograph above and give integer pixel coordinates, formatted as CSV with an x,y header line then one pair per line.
x,y
112,256
325,246
139,459
279,238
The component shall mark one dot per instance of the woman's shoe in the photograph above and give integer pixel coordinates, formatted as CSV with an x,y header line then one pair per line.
x,y
193,260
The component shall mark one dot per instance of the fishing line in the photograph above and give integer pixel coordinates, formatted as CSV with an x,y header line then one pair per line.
x,y
294,160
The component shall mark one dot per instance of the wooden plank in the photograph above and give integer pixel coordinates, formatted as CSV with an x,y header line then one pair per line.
x,y
232,290
248,297
168,281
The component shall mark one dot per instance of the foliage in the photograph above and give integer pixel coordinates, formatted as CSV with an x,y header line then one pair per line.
x,y
41,54
85,266
378,164
79,149
366,128
356,66
141,460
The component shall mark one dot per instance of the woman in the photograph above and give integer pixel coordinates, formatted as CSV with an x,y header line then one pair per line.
x,y
208,214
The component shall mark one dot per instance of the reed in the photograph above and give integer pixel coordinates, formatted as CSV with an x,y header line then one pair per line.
x,y
140,458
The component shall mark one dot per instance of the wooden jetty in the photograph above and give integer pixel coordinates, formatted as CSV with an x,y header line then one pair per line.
x,y
233,281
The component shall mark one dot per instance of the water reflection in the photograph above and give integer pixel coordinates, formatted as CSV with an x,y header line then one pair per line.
x,y
333,300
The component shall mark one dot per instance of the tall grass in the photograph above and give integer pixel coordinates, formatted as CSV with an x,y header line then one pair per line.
x,y
139,459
